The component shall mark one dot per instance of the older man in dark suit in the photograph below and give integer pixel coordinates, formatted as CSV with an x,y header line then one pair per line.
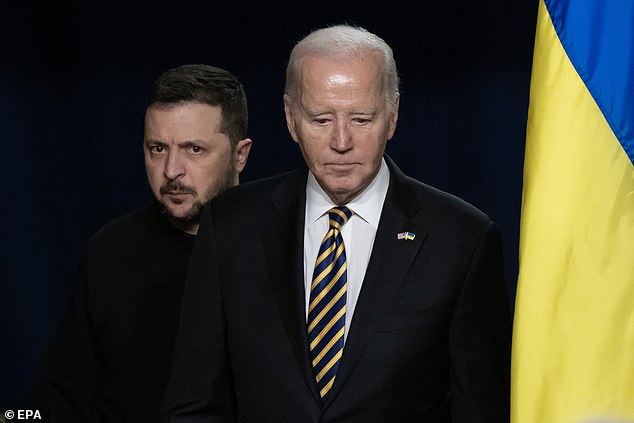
x,y
343,291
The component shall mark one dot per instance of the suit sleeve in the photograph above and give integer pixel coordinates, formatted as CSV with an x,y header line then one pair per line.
x,y
198,389
67,387
480,338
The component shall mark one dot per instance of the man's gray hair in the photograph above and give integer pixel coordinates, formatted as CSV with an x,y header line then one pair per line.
x,y
342,42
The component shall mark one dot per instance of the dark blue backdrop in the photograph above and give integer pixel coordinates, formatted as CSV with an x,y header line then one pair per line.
x,y
73,81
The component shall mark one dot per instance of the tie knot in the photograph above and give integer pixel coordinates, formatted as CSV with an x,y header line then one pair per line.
x,y
339,216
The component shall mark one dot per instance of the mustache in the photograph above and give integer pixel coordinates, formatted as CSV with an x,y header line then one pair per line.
x,y
176,187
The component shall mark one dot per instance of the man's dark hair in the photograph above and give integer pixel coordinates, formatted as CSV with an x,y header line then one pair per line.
x,y
206,85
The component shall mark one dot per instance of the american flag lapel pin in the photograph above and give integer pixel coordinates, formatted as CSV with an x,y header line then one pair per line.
x,y
406,236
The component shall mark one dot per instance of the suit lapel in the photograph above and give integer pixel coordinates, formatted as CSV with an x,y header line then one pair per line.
x,y
283,242
389,263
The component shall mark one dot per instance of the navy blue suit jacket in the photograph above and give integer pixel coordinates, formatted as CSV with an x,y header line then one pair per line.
x,y
429,340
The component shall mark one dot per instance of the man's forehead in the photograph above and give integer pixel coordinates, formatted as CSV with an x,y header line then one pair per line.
x,y
322,73
339,79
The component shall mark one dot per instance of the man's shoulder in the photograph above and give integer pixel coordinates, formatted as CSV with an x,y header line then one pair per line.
x,y
265,189
143,220
432,204
449,201
422,195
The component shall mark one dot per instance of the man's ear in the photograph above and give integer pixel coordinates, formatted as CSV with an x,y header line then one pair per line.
x,y
393,117
290,120
241,153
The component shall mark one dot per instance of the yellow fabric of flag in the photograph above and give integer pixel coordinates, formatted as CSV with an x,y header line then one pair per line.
x,y
573,342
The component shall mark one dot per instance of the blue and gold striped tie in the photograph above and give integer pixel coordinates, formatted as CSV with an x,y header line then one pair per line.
x,y
327,308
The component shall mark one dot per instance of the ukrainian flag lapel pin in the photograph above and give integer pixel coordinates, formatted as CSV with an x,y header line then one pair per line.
x,y
406,236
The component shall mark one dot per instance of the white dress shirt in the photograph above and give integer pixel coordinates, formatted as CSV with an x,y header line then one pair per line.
x,y
358,233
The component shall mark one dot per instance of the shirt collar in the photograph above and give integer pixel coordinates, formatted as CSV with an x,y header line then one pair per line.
x,y
367,205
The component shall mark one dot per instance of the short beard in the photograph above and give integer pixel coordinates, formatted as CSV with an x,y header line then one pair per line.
x,y
192,216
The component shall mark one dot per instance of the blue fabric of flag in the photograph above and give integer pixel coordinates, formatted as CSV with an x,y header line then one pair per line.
x,y
591,32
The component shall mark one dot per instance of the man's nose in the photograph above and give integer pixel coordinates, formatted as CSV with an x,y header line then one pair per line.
x,y
341,140
174,166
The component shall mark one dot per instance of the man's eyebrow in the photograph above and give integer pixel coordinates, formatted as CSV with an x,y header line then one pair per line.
x,y
314,113
153,141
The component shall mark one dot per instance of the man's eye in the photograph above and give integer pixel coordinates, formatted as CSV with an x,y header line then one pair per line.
x,y
157,149
196,149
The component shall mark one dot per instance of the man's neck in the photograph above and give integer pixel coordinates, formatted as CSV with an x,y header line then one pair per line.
x,y
185,226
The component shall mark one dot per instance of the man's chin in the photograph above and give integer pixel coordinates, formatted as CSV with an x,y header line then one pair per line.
x,y
186,215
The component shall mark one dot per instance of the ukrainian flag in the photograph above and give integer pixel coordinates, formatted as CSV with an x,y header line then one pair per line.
x,y
573,342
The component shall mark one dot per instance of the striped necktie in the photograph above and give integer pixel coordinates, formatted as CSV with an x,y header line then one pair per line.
x,y
327,309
